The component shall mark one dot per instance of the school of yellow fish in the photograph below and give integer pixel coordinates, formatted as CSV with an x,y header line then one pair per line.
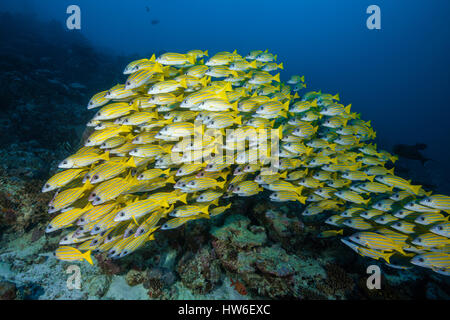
x,y
186,132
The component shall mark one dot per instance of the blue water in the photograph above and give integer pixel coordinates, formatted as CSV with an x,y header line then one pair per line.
x,y
397,76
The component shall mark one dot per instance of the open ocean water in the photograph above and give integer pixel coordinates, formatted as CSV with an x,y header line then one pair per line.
x,y
56,55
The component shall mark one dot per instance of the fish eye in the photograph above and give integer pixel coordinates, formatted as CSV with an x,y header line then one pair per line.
x,y
64,162
238,189
419,240
122,214
94,195
422,218
421,260
96,228
97,199
47,185
128,83
440,228
52,207
65,238
95,177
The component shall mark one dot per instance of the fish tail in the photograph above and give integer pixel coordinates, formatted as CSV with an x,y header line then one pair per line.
x,y
183,198
105,156
276,77
166,172
347,108
204,81
170,180
191,59
302,78
221,185
234,106
158,68
371,178
391,171
153,58
179,98
183,83
416,189
205,53
301,199
388,256
283,175
130,163
87,256
238,120
205,210
336,97
341,232
281,66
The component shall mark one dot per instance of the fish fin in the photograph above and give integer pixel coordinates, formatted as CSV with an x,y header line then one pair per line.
x,y
204,81
205,210
388,256
183,198
347,108
87,256
170,180
301,199
416,189
191,59
157,68
221,185
276,77
105,156
168,148
183,83
153,57
179,98
130,163
234,106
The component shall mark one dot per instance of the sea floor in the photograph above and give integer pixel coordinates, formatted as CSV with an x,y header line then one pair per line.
x,y
256,250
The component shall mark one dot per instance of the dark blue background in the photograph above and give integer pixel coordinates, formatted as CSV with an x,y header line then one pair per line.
x,y
398,76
